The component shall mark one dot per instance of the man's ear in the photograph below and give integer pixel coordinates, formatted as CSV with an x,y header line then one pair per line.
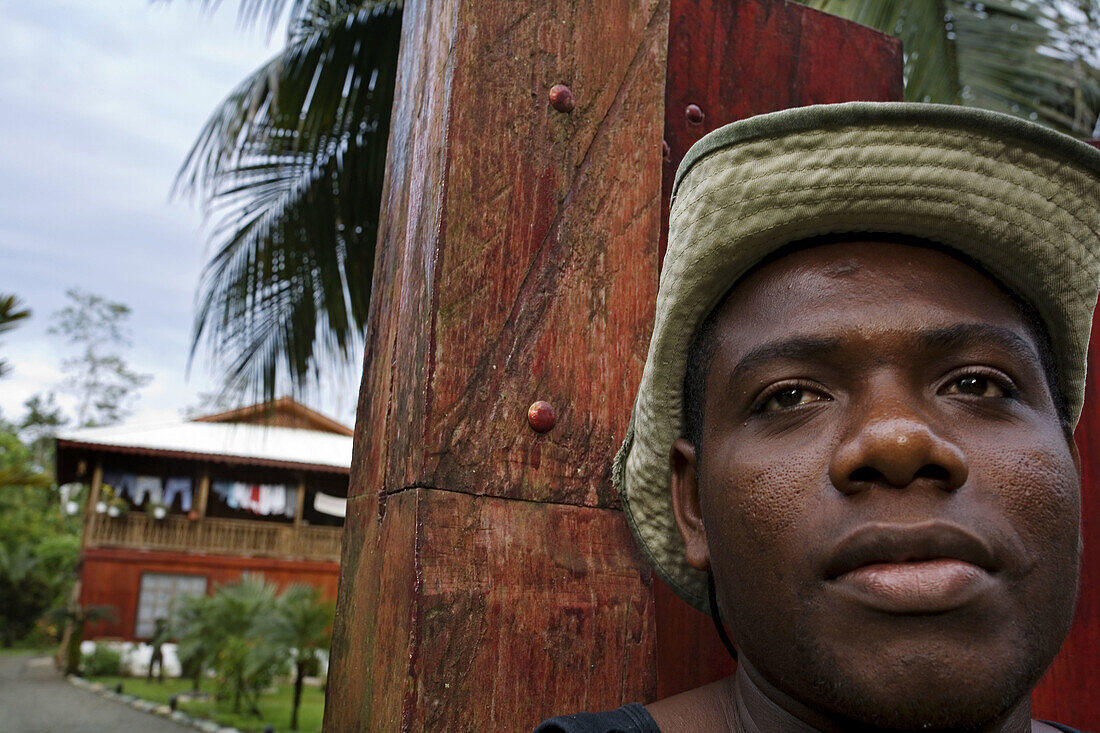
x,y
685,504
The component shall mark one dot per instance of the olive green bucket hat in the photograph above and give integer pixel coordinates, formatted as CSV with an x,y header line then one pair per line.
x,y
1020,200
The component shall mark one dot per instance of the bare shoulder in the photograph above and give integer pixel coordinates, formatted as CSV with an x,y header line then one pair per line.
x,y
699,710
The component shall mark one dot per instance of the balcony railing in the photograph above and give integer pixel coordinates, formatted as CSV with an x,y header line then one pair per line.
x,y
139,531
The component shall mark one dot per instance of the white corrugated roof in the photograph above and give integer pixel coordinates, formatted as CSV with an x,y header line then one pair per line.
x,y
291,445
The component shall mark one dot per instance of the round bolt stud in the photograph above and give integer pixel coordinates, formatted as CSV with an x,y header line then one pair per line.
x,y
666,151
694,114
561,98
541,416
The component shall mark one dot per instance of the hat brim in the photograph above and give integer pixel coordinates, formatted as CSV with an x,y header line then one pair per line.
x,y
1020,200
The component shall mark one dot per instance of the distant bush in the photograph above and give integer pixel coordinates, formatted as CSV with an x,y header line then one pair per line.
x,y
102,662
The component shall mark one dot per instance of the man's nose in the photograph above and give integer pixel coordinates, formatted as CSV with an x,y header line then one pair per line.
x,y
892,445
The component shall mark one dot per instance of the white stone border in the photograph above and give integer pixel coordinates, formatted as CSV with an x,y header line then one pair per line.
x,y
146,706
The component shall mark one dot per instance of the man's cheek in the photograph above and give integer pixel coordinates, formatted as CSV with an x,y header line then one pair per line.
x,y
1038,488
762,517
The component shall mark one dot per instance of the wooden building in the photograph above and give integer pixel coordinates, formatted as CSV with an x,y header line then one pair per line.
x,y
177,508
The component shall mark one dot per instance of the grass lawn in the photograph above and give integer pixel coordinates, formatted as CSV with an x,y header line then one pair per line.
x,y
29,651
274,708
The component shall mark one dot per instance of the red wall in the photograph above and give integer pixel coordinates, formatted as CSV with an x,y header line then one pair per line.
x,y
113,577
1070,692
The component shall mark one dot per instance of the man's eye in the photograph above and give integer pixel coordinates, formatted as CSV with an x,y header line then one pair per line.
x,y
976,385
790,397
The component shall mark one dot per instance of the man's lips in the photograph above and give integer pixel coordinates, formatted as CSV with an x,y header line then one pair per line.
x,y
921,568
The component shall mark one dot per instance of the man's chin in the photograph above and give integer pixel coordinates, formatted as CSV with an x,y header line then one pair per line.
x,y
966,707
925,693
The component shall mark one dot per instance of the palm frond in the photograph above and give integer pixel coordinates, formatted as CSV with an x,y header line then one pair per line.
x,y
1032,59
291,168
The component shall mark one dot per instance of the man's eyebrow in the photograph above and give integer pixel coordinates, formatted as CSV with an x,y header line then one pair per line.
x,y
958,336
972,334
795,349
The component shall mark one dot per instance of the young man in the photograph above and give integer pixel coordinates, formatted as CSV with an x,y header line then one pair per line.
x,y
855,420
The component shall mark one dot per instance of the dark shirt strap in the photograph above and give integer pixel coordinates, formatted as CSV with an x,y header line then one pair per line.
x,y
632,718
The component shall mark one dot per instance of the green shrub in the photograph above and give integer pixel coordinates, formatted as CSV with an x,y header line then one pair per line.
x,y
102,661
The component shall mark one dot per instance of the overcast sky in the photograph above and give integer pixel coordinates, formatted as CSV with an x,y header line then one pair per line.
x,y
100,103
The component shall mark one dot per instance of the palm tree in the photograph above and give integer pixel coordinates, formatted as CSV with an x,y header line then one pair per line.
x,y
76,617
290,170
302,622
11,312
290,166
244,659
1031,58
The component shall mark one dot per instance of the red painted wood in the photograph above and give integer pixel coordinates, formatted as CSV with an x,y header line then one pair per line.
x,y
112,577
518,611
517,262
1069,691
738,58
734,60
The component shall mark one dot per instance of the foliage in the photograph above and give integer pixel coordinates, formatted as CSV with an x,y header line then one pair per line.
x,y
302,622
104,386
11,313
290,169
77,617
39,425
1034,59
102,661
25,593
39,544
244,632
224,632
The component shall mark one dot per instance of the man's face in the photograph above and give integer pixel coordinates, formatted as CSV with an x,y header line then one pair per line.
x,y
884,491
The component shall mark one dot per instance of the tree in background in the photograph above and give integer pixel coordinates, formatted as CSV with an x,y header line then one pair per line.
x,y
104,386
226,632
39,426
302,622
1031,58
290,170
39,543
77,617
290,165
11,313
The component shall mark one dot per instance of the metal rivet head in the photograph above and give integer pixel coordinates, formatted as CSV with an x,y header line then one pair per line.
x,y
561,98
694,114
666,151
541,416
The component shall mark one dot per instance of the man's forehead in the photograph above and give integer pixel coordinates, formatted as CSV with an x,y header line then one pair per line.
x,y
840,276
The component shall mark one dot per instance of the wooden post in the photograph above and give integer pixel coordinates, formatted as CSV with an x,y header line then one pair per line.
x,y
300,499
488,577
93,498
204,492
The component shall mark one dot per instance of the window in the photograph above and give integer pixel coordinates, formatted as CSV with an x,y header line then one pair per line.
x,y
157,598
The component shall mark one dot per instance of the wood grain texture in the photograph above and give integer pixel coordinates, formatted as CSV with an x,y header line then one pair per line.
x,y
1069,691
517,261
512,612
515,238
738,58
734,60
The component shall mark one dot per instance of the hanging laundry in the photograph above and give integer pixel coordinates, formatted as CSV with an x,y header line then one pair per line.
x,y
224,491
121,483
334,506
272,499
242,496
178,486
148,486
